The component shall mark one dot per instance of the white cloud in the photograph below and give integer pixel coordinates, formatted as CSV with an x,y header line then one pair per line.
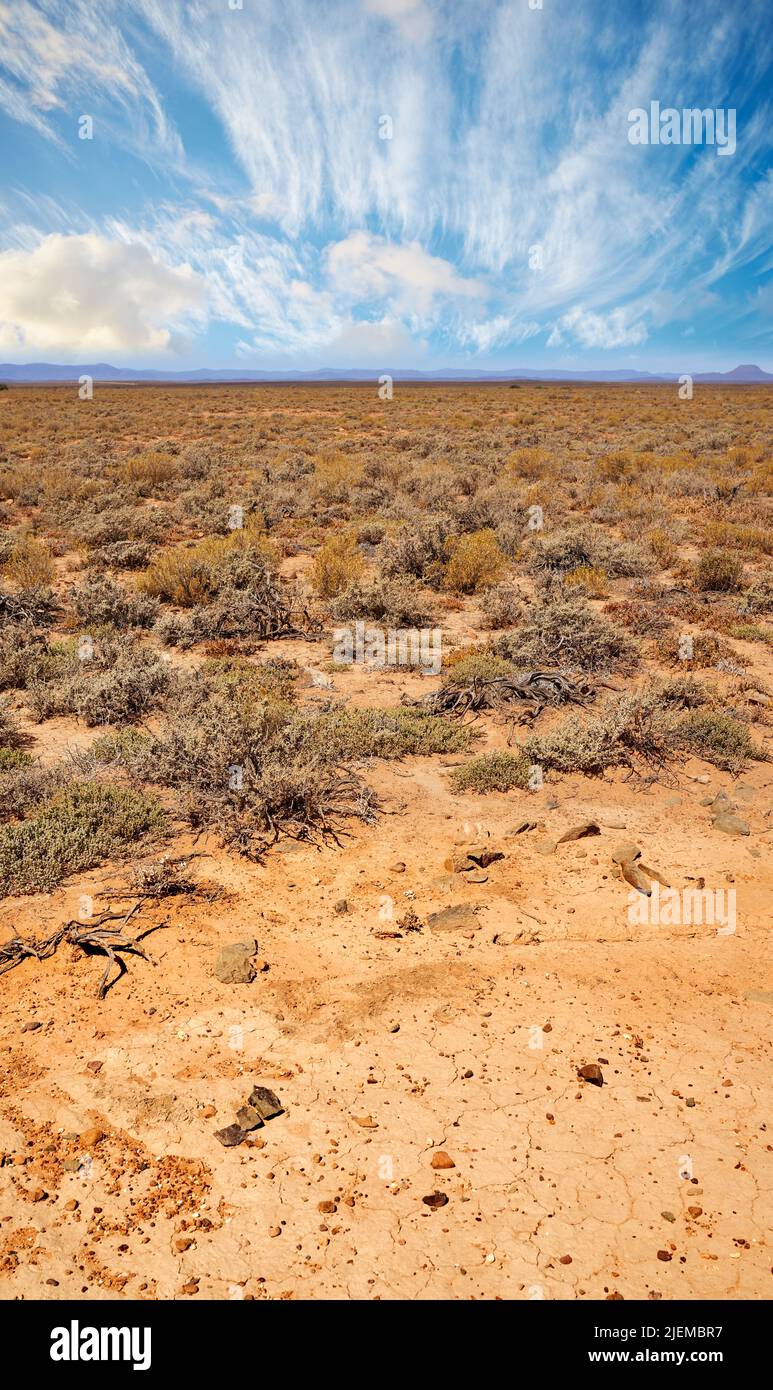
x,y
591,330
412,17
500,331
87,295
364,266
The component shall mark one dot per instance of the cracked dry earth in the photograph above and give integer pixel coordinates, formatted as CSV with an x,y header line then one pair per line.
x,y
388,1049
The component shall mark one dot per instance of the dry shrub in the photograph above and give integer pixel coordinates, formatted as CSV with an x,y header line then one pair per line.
x,y
101,602
395,602
718,571
337,564
633,731
147,471
29,566
476,562
664,548
587,580
570,636
420,551
191,575
645,619
704,649
501,606
590,547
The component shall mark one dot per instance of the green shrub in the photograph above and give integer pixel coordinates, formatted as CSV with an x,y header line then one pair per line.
x,y
120,683
477,666
492,772
80,828
719,739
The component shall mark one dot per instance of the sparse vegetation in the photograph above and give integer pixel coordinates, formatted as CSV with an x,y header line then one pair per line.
x,y
80,827
492,772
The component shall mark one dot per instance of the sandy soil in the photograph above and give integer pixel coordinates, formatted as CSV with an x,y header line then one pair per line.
x,y
388,1046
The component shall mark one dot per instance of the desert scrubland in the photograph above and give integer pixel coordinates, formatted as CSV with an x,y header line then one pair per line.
x,y
490,922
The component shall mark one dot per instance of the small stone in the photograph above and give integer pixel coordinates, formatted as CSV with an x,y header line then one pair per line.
x,y
274,1231
730,824
91,1137
690,1102
456,918
327,1208
665,1255
209,1112
38,1194
695,1212
435,1200
440,1159
365,1121
668,1216
230,1136
183,1243
398,868
249,1118
31,1026
341,907
565,1260
625,852
192,1287
72,1205
234,962
265,1102
94,1067
591,1072
579,832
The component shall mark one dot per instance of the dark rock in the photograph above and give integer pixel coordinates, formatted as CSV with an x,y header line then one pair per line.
x,y
265,1102
231,1135
435,1200
248,1117
591,1072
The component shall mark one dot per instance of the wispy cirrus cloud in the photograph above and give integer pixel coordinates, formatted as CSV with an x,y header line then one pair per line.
x,y
414,171
72,57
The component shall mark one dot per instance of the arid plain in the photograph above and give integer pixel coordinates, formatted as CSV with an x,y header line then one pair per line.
x,y
491,927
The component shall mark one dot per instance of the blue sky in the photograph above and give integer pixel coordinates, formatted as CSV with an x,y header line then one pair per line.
x,y
239,204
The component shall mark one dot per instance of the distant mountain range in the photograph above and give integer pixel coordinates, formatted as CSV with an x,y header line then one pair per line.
x,y
748,374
